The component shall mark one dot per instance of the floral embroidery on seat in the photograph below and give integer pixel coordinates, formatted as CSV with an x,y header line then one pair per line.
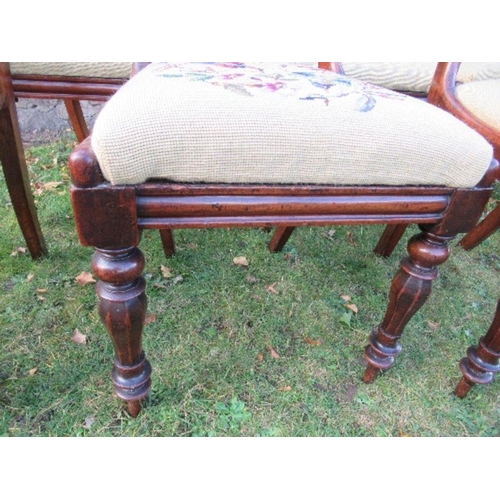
x,y
290,80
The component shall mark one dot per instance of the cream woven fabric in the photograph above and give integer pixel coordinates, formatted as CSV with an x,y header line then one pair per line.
x,y
81,69
482,99
415,76
279,124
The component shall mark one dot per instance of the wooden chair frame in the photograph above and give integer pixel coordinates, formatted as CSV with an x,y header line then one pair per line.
x,y
72,90
112,218
442,94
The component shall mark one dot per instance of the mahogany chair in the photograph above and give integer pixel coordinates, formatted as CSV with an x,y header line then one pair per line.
x,y
476,103
71,82
15,169
483,360
232,145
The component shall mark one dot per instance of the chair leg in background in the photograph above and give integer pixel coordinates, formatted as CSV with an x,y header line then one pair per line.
x,y
483,230
483,360
122,307
409,290
279,238
76,118
389,239
168,242
16,172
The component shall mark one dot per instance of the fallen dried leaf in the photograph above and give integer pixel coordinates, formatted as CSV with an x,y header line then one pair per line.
x,y
78,337
285,388
347,298
271,288
432,325
32,371
150,318
177,279
41,298
403,434
251,279
30,277
309,341
51,186
352,307
41,290
18,250
260,357
166,271
84,278
88,422
350,239
274,354
240,261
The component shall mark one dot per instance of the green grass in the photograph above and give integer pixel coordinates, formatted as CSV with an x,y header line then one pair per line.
x,y
213,372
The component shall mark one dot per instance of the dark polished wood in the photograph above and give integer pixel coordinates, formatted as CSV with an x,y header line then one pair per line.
x,y
111,219
72,90
483,360
122,307
442,94
15,168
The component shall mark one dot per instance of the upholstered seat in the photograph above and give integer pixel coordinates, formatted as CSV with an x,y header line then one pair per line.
x,y
482,100
415,76
277,123
73,69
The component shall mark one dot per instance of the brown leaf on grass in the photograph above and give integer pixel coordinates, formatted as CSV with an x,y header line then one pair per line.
x,y
432,325
30,277
84,278
260,357
350,239
40,187
352,307
309,341
41,290
347,298
79,338
285,388
251,279
41,298
32,371
17,251
274,354
150,318
270,288
166,271
240,261
403,434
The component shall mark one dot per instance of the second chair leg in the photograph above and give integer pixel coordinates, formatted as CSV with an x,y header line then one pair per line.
x,y
389,239
483,360
410,289
76,118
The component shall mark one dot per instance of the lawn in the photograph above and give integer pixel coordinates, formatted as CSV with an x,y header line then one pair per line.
x,y
272,348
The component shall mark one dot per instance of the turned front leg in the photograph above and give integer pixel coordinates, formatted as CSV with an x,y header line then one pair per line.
x,y
410,289
482,361
122,307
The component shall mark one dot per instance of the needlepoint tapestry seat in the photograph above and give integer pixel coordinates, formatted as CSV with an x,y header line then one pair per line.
x,y
240,123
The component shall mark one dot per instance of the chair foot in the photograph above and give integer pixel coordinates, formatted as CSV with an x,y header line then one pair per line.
x,y
122,307
279,238
389,239
409,290
483,360
482,231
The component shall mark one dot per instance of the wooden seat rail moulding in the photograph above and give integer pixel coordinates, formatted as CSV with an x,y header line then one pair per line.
x,y
226,211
